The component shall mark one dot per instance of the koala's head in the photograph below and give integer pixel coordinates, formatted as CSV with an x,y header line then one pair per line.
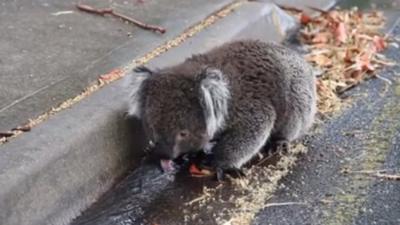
x,y
181,107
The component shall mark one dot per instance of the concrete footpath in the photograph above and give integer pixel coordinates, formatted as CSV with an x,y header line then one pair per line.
x,y
50,51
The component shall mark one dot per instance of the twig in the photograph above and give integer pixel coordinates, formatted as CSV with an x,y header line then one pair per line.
x,y
289,8
384,79
262,161
204,196
388,176
342,90
363,171
317,9
89,9
377,173
139,23
103,12
283,204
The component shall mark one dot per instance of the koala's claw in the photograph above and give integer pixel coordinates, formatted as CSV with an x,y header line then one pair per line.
x,y
234,172
281,146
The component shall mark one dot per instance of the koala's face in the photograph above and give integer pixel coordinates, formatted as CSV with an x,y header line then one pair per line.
x,y
181,108
173,117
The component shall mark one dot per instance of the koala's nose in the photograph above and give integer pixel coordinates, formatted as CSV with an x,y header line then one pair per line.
x,y
163,152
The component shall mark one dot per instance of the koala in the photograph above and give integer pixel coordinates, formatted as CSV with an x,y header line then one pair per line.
x,y
229,100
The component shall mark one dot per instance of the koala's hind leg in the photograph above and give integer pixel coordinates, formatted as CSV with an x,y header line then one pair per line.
x,y
238,145
295,127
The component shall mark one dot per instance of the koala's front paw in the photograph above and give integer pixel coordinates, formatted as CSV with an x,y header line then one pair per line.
x,y
233,172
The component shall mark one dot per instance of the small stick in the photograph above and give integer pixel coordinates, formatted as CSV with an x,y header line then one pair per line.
x,y
198,199
317,9
378,174
139,23
283,204
388,176
263,160
289,8
103,12
341,91
89,9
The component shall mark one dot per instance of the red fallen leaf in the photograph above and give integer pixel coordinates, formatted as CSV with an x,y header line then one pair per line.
x,y
365,60
379,43
194,170
341,33
113,75
305,19
362,63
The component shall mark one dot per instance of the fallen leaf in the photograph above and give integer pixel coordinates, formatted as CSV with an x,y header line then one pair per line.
x,y
305,19
365,61
111,76
195,171
379,43
341,33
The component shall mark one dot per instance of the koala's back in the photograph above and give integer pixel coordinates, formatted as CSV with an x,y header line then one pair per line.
x,y
264,77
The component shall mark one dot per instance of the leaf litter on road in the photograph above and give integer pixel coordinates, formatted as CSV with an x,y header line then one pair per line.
x,y
346,46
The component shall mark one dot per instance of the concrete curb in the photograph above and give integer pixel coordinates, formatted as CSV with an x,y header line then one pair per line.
x,y
51,174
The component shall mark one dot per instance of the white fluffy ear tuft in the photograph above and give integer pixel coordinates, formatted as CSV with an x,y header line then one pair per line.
x,y
215,95
136,85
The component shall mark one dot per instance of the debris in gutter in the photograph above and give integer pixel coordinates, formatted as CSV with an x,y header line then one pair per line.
x,y
6,134
103,12
111,76
346,46
378,173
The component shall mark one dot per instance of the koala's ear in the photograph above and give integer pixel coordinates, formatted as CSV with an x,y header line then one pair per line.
x,y
214,97
137,85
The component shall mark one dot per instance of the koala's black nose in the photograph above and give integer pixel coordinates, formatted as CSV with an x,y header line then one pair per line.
x,y
163,152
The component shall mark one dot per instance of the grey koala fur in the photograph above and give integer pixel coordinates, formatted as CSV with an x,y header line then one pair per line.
x,y
240,94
